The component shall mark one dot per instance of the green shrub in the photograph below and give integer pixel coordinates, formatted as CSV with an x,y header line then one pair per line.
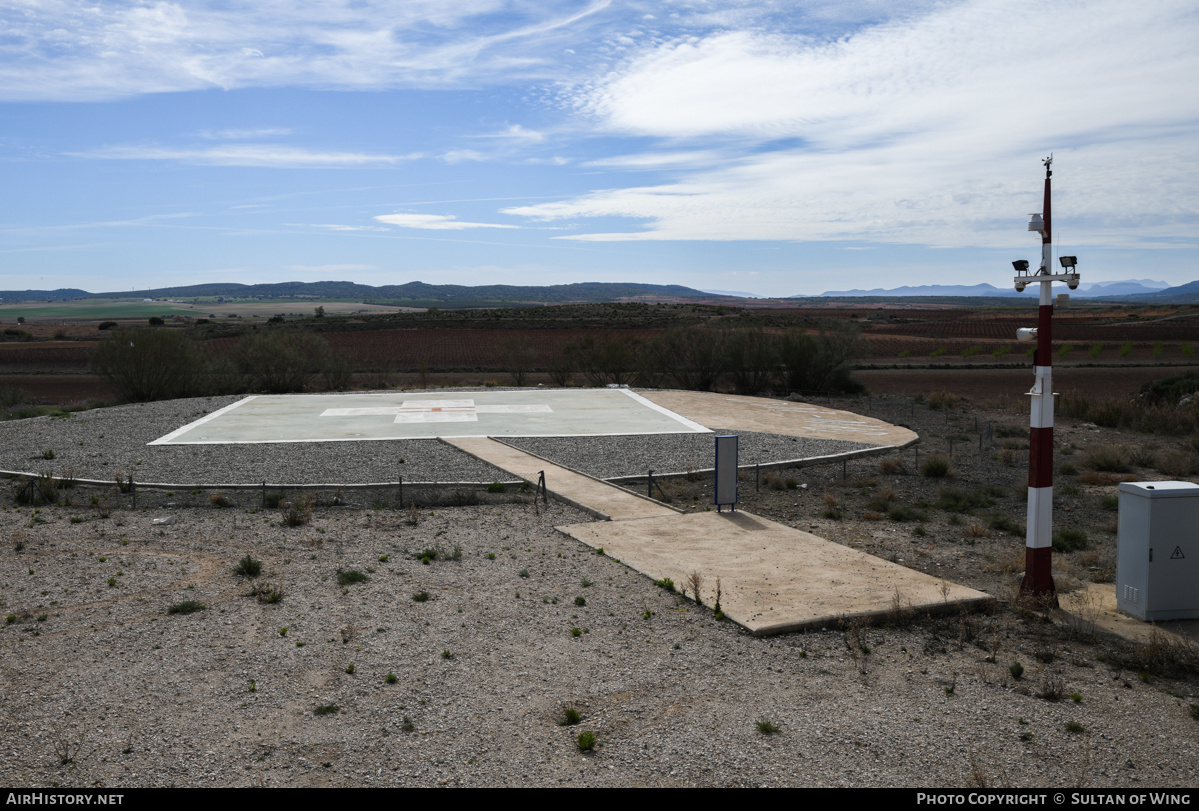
x,y
497,487
579,601
570,717
767,727
144,364
326,709
105,325
248,567
956,500
665,583
585,741
935,467
346,577
186,607
1070,540
391,678
421,597
281,362
1016,669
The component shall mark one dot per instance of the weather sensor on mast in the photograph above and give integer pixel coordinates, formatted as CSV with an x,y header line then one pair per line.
x,y
1038,573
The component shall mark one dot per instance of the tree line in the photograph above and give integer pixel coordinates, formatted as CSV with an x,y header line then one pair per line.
x,y
143,364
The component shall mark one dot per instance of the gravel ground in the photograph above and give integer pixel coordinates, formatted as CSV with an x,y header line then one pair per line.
x,y
96,444
93,667
609,457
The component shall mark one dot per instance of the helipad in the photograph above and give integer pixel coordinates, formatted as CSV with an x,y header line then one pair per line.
x,y
401,415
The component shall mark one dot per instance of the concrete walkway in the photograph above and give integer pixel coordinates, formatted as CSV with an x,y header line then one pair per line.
x,y
773,578
605,501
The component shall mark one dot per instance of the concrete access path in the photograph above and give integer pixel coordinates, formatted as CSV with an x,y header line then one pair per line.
x,y
773,578
592,495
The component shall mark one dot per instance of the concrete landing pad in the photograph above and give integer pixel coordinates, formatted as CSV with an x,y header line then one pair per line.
x,y
779,417
774,578
401,415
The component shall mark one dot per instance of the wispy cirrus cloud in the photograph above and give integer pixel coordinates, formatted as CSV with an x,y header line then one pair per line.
x,y
246,155
435,222
60,49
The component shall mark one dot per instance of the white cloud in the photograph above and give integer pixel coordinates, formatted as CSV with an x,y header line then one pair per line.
x,y
242,135
64,49
269,155
925,130
434,222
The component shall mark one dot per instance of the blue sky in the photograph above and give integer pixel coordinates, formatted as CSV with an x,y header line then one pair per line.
x,y
774,148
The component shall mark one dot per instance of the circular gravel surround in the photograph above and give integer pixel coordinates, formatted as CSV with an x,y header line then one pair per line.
x,y
97,444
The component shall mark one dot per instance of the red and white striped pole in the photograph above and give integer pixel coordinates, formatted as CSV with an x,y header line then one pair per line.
x,y
1038,570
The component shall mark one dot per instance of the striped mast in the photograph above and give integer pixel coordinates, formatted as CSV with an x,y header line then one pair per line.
x,y
1038,571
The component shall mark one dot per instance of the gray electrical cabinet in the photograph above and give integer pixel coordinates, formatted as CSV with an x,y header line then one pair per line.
x,y
1157,563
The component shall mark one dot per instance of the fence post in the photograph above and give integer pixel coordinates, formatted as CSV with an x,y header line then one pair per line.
x,y
264,494
401,488
133,489
649,485
757,477
917,448
545,493
844,469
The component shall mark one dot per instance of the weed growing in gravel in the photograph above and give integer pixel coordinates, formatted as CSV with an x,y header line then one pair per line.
x,y
696,581
447,654
1194,711
408,726
186,607
524,573
665,583
497,487
220,500
570,716
892,467
1016,669
346,577
350,669
767,727
326,709
585,741
391,678
421,597
248,567
1075,727
576,632
266,593
296,513
584,582
579,601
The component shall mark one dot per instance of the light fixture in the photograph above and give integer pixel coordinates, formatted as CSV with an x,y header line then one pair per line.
x,y
1020,265
1068,261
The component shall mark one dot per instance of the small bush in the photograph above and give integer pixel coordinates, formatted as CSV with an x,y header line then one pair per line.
x,y
421,597
955,500
580,602
103,325
186,607
935,467
248,567
1016,669
1075,727
346,577
570,717
326,709
220,500
1070,540
391,678
585,741
297,513
665,583
892,466
767,727
497,487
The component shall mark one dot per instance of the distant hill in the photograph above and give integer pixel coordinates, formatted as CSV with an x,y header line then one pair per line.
x,y
1129,289
412,294
18,296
